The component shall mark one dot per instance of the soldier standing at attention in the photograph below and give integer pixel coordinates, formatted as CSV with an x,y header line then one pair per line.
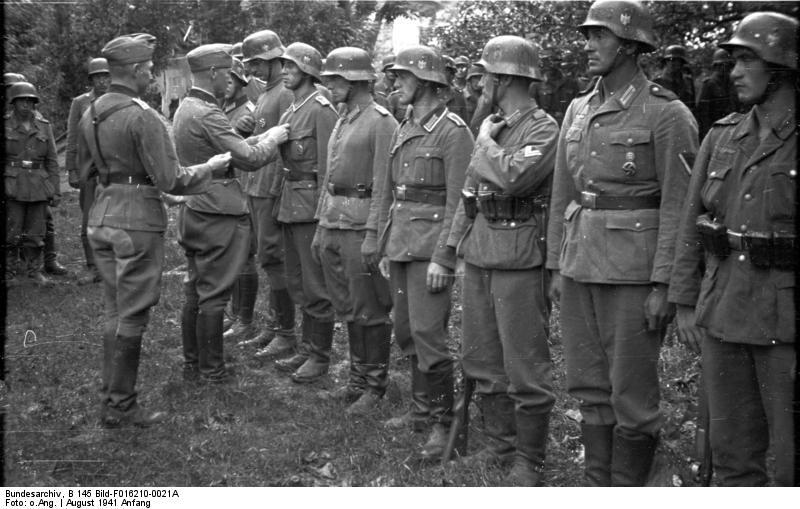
x,y
717,97
500,227
31,181
214,226
311,118
741,210
618,189
261,51
346,240
134,160
428,158
100,78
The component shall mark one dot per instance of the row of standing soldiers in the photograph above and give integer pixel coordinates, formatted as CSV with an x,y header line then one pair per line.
x,y
616,216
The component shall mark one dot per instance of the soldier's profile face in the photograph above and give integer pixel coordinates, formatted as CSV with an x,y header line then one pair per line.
x,y
602,48
339,88
231,88
406,86
292,75
750,76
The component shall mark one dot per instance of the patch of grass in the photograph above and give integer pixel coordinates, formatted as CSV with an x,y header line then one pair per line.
x,y
262,431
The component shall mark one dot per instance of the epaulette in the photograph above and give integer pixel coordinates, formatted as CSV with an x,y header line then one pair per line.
x,y
380,109
665,93
732,119
539,113
456,119
250,107
38,116
589,86
141,103
321,99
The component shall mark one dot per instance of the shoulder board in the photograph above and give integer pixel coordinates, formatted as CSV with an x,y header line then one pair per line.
x,y
732,119
589,86
660,91
380,109
321,99
250,107
539,113
456,119
141,103
40,118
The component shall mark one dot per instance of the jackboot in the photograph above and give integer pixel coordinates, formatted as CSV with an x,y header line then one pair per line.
x,y
319,353
32,258
356,380
632,458
598,442
532,432
278,340
247,289
416,417
499,420
291,364
109,342
440,403
51,265
211,359
191,355
377,340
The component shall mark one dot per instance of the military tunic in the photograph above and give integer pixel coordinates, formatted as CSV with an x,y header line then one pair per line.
x,y
427,165
625,150
504,346
748,185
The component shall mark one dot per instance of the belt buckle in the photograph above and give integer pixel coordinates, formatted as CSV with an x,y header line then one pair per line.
x,y
400,192
588,199
739,240
27,164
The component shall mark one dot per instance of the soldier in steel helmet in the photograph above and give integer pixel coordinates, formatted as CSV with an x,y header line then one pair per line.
x,y
100,79
427,162
499,230
31,182
346,238
473,90
739,224
618,188
717,97
254,86
311,118
214,225
460,77
385,85
134,160
452,96
673,76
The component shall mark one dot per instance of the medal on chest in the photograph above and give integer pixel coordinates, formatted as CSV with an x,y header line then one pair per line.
x,y
630,164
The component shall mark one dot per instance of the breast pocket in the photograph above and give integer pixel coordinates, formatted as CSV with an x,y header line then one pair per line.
x,y
302,146
712,191
13,145
429,167
780,190
630,151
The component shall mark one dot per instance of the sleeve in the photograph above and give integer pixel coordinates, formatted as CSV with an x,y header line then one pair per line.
x,y
83,156
460,221
675,133
70,162
381,144
384,200
324,122
563,191
51,161
323,194
522,169
245,157
458,147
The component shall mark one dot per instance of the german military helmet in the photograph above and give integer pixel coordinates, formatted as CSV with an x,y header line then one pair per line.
x,y
449,63
237,70
236,51
307,58
721,57
627,19
21,90
265,45
475,70
352,64
676,51
462,60
770,35
98,66
513,55
387,62
10,78
423,62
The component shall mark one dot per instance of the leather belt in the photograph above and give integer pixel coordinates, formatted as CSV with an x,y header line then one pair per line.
x,y
28,165
599,201
299,176
422,195
357,191
744,241
132,180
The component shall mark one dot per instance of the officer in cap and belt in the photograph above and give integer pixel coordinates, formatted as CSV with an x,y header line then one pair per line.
x,y
215,225
31,181
499,230
134,161
739,223
618,188
427,162
311,118
346,240
100,79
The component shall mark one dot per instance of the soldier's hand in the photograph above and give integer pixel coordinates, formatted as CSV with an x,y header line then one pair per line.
x,y
554,292
246,124
383,266
688,332
54,201
219,161
489,128
439,277
315,248
369,254
173,200
657,310
279,133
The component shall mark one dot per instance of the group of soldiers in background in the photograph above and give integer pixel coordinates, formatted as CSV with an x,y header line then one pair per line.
x,y
359,199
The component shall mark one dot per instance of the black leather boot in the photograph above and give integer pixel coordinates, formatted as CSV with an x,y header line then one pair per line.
x,y
356,380
291,364
32,257
211,358
632,458
532,432
51,265
440,403
497,411
244,302
191,352
598,443
316,365
278,339
418,412
377,339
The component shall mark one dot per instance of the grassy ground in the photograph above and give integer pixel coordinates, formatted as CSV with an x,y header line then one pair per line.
x,y
262,431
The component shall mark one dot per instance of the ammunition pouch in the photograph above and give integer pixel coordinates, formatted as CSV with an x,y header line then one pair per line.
x,y
429,195
765,249
504,207
713,236
470,203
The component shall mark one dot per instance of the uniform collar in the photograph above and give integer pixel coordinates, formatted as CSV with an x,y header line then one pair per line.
x,y
356,110
272,84
433,117
17,125
122,89
516,116
203,95
783,128
294,106
624,96
237,103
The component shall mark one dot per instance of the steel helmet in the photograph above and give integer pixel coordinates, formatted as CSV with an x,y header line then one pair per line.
x,y
462,60
237,70
22,89
721,56
449,63
352,64
423,62
676,51
627,19
265,45
98,66
475,70
770,35
307,58
513,55
10,78
387,62
236,51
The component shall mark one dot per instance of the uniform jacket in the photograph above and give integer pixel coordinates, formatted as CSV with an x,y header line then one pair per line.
x,y
456,103
519,163
680,86
717,99
201,131
271,104
134,142
358,153
255,87
76,110
235,111
37,146
430,153
311,122
747,185
643,124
